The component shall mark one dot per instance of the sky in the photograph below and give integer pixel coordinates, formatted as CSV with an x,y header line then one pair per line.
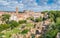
x,y
34,5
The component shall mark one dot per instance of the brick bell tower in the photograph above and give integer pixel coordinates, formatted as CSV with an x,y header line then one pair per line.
x,y
17,10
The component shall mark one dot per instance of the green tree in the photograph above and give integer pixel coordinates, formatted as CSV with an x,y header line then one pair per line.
x,y
58,20
1,34
13,24
25,31
43,12
5,17
31,18
38,19
4,27
58,23
51,32
54,14
58,13
54,28
22,21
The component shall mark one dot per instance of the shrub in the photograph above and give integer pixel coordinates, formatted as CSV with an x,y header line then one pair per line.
x,y
22,21
24,31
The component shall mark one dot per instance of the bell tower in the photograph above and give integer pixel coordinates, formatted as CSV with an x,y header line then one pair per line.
x,y
16,10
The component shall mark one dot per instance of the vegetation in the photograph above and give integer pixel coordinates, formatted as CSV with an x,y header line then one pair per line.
x,y
13,24
5,17
4,27
54,28
22,21
51,32
25,31
38,19
54,14
58,23
33,36
31,18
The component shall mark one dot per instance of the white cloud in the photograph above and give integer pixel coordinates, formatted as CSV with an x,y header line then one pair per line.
x,y
58,2
30,5
3,2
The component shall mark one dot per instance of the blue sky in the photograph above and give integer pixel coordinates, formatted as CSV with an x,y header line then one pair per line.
x,y
35,5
